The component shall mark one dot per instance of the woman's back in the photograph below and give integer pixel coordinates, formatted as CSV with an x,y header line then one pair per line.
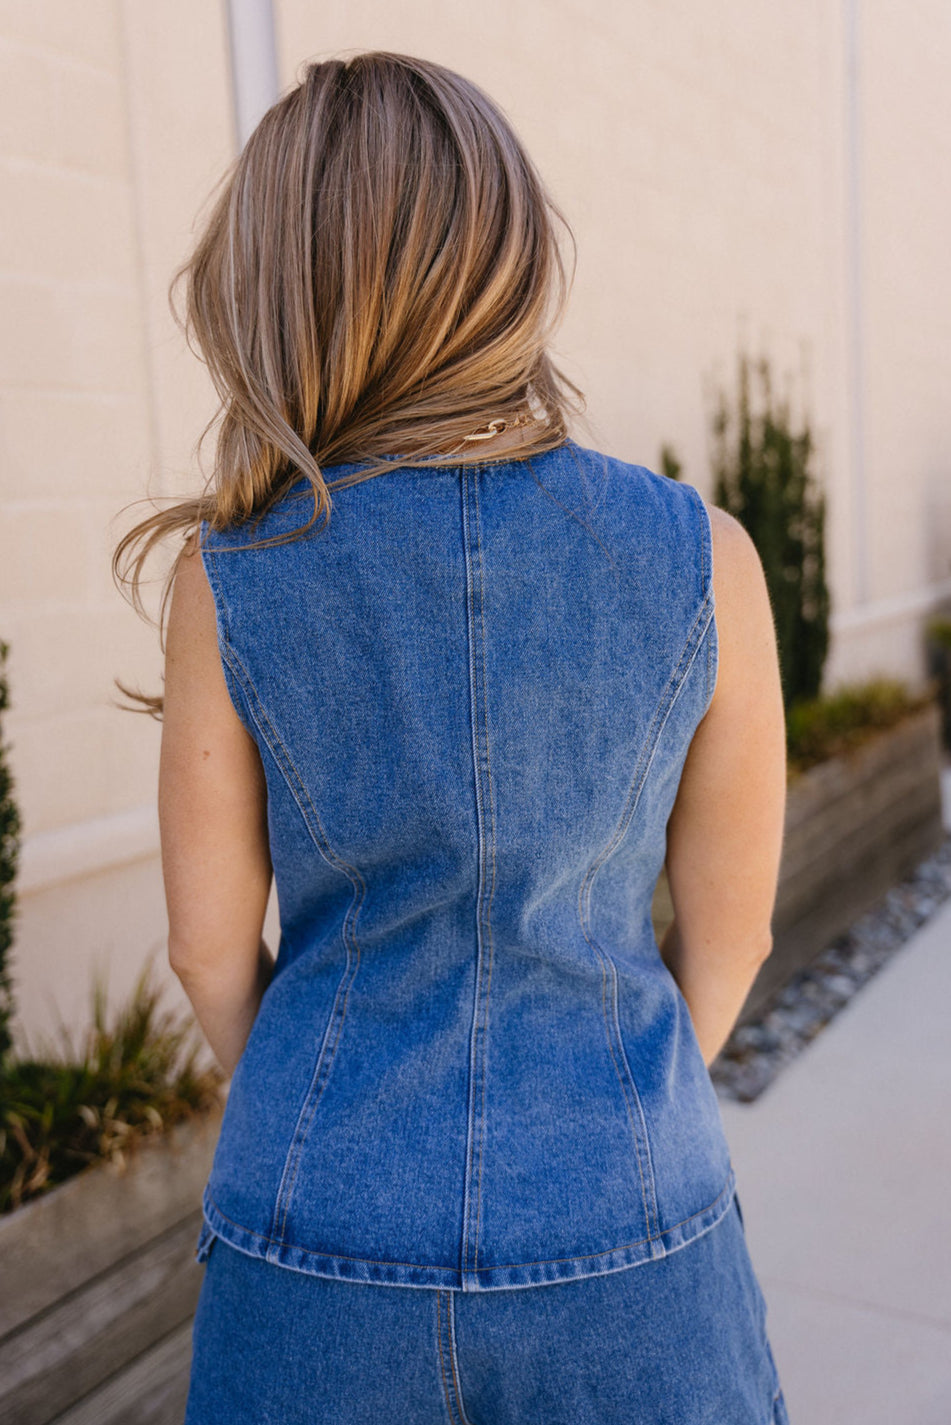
x,y
463,724
473,694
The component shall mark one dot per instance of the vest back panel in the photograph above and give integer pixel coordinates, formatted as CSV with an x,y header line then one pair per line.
x,y
473,694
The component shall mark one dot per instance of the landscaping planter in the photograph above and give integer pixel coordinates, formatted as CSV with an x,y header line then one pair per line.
x,y
939,668
100,1285
855,825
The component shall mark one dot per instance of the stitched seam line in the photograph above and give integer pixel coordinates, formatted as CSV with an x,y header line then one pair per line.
x,y
624,1093
291,775
479,815
453,1393
641,1143
492,841
661,713
453,1414
630,1092
706,541
480,1009
453,1357
502,1266
334,1028
645,1137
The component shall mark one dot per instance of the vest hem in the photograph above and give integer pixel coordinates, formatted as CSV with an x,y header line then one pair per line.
x,y
518,1274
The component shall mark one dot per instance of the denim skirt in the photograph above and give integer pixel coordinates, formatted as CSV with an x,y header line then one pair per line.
x,y
677,1341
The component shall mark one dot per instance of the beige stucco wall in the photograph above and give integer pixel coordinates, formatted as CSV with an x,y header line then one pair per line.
x,y
724,182
907,326
115,122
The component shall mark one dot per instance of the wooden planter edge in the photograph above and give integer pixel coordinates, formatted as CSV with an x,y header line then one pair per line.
x,y
53,1244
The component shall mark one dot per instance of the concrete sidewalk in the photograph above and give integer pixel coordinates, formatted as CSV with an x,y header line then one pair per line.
x,y
844,1176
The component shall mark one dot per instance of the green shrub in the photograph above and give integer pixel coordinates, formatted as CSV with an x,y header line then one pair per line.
x,y
938,654
826,726
669,464
9,855
939,631
63,1111
763,477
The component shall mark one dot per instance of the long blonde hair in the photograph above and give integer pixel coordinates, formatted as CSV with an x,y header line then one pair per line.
x,y
379,275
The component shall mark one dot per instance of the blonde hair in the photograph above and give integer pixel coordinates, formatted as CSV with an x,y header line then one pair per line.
x,y
379,275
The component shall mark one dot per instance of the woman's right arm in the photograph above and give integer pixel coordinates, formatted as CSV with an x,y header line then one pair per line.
x,y
725,832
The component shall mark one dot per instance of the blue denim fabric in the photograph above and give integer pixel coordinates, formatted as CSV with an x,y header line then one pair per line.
x,y
680,1341
473,695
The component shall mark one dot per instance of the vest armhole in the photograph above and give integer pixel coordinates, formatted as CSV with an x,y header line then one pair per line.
x,y
226,652
705,592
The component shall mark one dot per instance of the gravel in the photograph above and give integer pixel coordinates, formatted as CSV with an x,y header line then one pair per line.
x,y
755,1053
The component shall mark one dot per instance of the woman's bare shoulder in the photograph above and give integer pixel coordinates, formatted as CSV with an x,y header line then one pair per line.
x,y
734,552
743,611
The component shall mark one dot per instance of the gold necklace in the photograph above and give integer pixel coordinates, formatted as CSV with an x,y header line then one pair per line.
x,y
496,427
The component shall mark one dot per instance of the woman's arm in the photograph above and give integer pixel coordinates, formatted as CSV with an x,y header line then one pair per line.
x,y
725,833
212,803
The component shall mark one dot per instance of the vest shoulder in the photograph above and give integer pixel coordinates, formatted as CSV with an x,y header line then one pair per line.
x,y
671,512
649,480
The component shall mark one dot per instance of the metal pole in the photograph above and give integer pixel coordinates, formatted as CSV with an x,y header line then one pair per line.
x,y
859,502
254,74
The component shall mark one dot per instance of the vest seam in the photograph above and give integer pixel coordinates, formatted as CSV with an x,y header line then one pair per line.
x,y
492,847
454,1358
454,1403
223,633
641,1139
642,768
472,549
447,1394
706,583
643,1155
333,1030
723,1197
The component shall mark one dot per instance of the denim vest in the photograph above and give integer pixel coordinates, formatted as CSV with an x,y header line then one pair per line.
x,y
473,694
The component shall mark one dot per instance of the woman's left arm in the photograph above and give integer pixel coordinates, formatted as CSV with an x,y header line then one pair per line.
x,y
212,803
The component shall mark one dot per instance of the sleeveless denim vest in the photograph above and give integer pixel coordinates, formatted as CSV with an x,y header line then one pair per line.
x,y
473,694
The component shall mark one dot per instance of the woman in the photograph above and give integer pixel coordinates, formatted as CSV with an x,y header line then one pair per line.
x,y
456,682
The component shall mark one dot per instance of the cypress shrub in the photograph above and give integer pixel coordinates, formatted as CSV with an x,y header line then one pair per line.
x,y
763,477
669,463
9,854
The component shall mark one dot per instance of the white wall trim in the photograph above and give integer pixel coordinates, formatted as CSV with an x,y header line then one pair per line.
x,y
899,606
87,847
